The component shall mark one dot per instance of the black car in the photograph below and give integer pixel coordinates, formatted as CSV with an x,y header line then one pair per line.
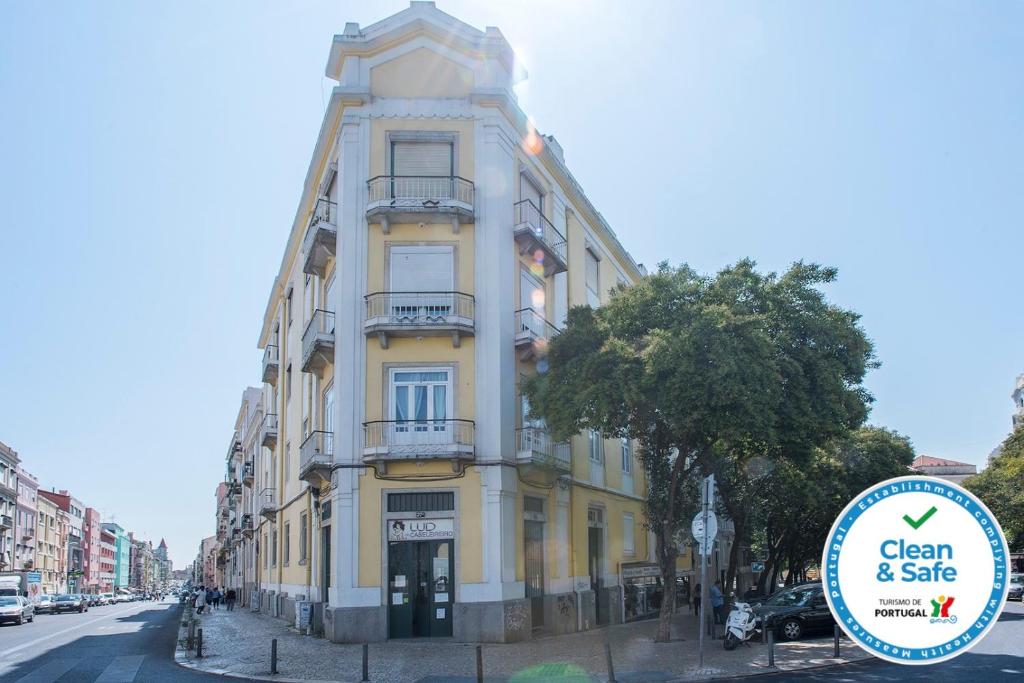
x,y
794,611
69,603
1016,590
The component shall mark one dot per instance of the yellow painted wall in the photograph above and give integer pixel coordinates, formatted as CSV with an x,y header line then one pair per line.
x,y
421,73
425,351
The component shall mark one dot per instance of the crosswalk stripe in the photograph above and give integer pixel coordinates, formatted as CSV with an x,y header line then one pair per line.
x,y
51,671
122,669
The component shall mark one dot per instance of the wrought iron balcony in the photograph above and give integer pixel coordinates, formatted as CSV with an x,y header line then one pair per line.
x,y
28,533
271,364
268,504
533,333
234,447
386,440
419,199
6,522
316,456
419,314
247,525
247,473
268,430
535,234
318,342
321,240
535,447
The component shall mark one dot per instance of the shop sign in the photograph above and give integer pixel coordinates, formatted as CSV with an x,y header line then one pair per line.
x,y
639,571
420,529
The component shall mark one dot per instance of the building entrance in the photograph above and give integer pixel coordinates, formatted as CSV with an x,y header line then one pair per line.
x,y
421,588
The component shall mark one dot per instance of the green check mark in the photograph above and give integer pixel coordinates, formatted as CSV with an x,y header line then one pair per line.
x,y
916,523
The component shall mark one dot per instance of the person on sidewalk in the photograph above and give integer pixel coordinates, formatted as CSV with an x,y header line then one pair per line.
x,y
717,602
200,600
698,595
229,598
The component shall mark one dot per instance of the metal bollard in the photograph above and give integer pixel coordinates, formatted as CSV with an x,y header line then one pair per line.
x,y
771,649
366,662
611,667
273,656
191,642
199,645
835,641
479,664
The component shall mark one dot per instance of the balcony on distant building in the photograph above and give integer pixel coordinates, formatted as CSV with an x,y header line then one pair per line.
x,y
533,333
268,431
268,504
316,456
391,440
271,364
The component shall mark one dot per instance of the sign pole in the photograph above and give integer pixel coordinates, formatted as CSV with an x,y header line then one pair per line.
x,y
702,551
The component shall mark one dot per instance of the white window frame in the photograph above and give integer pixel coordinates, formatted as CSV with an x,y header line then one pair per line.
x,y
598,450
593,296
627,456
449,391
628,534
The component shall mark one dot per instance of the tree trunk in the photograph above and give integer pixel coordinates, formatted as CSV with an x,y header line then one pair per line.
x,y
666,552
739,527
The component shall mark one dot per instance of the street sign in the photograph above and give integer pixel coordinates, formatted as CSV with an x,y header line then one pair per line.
x,y
705,539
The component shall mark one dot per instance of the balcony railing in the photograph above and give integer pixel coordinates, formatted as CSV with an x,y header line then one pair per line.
x,y
419,314
268,503
6,522
413,199
268,430
271,364
247,473
316,455
412,440
28,532
534,446
318,342
320,242
533,231
533,332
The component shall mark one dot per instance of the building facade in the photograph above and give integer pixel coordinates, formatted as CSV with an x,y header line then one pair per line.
x,y
91,550
51,545
8,506
950,470
74,516
399,481
25,524
122,554
107,560
164,565
1018,402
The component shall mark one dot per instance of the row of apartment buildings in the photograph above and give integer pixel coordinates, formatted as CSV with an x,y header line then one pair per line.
x,y
59,544
389,470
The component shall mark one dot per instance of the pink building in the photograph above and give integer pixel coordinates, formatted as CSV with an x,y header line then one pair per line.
x,y
25,523
91,550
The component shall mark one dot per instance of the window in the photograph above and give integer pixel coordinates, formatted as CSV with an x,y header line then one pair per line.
x,y
420,395
287,543
422,158
307,297
528,191
303,532
422,269
273,548
593,279
596,447
288,307
628,542
627,456
266,555
288,382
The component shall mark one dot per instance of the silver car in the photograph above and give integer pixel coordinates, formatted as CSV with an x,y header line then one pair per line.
x,y
16,609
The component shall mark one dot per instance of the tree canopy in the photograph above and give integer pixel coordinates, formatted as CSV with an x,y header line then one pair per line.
x,y
1001,487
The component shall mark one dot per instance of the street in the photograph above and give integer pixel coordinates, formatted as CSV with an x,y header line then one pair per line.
x,y
999,657
110,644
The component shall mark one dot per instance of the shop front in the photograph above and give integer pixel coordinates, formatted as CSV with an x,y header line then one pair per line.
x,y
421,570
642,589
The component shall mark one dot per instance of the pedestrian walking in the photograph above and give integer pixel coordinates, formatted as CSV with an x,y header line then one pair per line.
x,y
229,598
200,600
218,595
698,595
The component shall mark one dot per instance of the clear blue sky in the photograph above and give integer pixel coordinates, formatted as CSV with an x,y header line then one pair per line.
x,y
153,155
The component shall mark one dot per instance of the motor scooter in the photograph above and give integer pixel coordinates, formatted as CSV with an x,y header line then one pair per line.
x,y
741,625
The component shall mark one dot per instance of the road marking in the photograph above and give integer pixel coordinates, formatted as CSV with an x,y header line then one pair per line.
x,y
121,670
51,671
41,639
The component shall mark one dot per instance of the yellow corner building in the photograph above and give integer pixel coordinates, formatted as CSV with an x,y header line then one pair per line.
x,y
391,482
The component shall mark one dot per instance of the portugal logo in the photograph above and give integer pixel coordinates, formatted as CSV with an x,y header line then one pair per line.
x,y
898,559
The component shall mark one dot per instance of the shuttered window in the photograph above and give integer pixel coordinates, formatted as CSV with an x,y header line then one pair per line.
x,y
422,269
421,159
592,273
529,191
434,501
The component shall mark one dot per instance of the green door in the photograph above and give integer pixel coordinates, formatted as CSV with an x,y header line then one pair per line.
x,y
420,589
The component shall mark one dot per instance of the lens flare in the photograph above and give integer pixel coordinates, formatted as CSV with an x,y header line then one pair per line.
x,y
537,299
532,143
542,365
537,269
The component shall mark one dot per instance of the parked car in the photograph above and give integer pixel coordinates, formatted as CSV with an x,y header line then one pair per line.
x,y
84,600
94,599
106,598
44,604
68,603
16,609
1016,591
795,611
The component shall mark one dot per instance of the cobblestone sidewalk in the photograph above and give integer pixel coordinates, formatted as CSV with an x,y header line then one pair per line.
x,y
238,643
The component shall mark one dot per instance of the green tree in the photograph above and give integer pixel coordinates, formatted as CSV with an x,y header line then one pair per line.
x,y
1001,487
707,373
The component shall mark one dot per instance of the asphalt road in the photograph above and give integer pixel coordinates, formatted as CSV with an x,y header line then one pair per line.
x,y
113,644
999,657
